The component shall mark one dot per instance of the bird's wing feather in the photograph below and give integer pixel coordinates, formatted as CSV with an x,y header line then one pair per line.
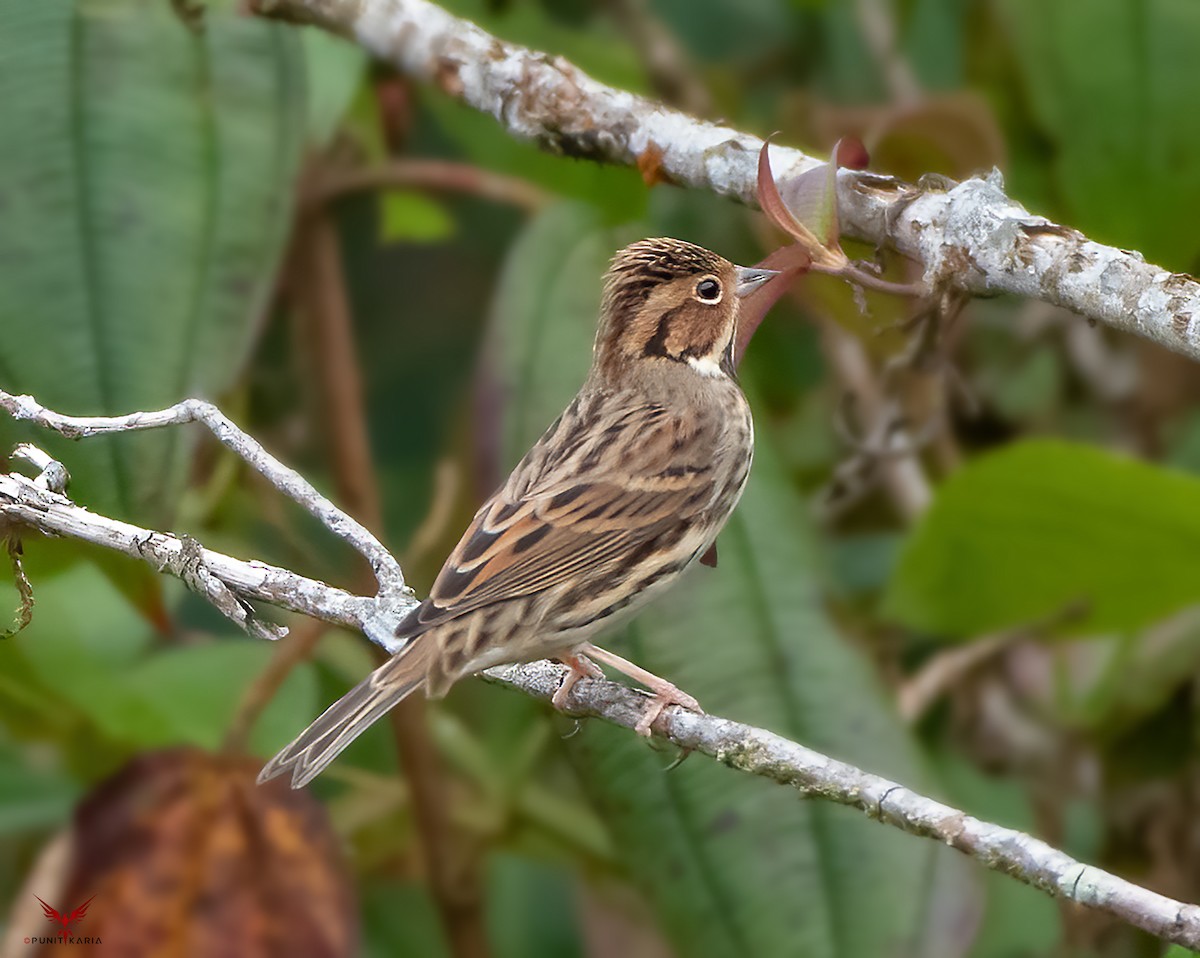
x,y
579,516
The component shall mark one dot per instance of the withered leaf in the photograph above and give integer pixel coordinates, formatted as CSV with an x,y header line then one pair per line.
x,y
185,855
791,262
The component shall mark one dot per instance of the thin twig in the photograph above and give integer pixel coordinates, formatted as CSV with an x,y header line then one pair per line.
x,y
663,58
948,667
446,482
286,480
435,175
25,504
918,693
901,473
771,756
878,27
852,274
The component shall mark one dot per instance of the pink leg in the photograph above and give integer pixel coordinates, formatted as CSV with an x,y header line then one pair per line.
x,y
580,668
664,692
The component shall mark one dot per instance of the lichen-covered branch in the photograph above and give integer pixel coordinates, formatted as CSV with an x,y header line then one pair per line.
x,y
39,505
814,775
285,479
970,236
230,584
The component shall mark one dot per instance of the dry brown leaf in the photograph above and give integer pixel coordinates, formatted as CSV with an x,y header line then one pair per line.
x,y
183,854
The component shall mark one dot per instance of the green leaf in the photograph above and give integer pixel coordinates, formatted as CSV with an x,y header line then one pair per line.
x,y
1022,534
412,216
732,865
145,184
89,646
197,690
334,71
31,798
531,909
1017,919
1116,131
400,918
935,39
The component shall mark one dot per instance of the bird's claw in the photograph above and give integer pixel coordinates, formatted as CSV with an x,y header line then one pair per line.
x,y
663,698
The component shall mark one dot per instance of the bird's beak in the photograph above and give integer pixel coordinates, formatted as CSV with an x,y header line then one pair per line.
x,y
750,278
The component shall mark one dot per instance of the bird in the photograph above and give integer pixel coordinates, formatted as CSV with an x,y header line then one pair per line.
x,y
625,490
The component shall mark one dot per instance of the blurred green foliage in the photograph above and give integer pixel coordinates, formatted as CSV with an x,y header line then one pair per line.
x,y
1027,533
157,175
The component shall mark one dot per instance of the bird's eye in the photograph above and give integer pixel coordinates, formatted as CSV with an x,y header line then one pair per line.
x,y
708,291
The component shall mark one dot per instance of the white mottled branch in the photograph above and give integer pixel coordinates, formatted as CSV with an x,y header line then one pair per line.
x,y
387,570
970,236
764,753
39,505
229,584
26,505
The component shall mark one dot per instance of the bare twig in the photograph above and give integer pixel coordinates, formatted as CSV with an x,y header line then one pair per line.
x,y
286,480
950,666
435,175
446,483
771,756
878,27
24,504
969,236
946,669
902,474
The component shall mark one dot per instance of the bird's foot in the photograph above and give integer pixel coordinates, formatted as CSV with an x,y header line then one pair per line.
x,y
665,694
581,668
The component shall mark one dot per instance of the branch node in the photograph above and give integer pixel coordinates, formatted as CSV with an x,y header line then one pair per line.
x,y
52,474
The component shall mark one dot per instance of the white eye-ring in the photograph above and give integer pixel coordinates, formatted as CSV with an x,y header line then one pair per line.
x,y
709,291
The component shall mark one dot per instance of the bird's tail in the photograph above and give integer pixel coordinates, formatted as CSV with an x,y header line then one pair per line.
x,y
350,716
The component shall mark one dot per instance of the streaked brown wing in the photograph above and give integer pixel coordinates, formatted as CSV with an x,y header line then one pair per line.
x,y
569,521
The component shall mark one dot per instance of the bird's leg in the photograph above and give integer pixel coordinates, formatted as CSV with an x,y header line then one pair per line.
x,y
664,692
581,668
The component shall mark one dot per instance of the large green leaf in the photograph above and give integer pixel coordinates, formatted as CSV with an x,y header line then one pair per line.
x,y
31,797
733,865
88,646
1113,85
1026,532
145,188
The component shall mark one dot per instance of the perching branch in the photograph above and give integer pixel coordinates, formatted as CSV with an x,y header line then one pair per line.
x,y
760,752
35,505
969,237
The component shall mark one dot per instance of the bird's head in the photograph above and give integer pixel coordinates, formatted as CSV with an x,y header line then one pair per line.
x,y
667,301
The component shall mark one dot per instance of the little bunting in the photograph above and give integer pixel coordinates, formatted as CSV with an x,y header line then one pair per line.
x,y
627,488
